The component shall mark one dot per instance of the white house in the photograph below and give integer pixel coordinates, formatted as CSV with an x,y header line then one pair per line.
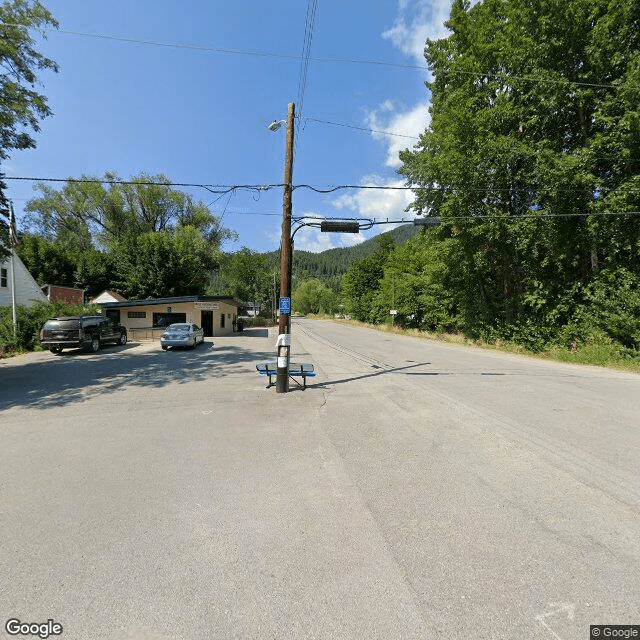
x,y
107,296
27,290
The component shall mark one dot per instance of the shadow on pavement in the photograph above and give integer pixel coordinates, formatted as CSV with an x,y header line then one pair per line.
x,y
403,371
256,332
71,377
380,372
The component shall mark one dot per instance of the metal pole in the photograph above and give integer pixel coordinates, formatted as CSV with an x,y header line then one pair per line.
x,y
13,296
13,241
284,321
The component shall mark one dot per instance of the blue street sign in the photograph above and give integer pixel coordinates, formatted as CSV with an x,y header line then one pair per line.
x,y
284,305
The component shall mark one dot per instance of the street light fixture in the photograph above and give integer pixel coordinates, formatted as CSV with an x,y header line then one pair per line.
x,y
275,125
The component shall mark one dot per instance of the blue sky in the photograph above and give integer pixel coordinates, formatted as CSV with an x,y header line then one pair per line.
x,y
201,116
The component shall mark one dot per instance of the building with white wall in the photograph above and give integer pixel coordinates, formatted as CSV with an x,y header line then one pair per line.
x,y
107,296
27,290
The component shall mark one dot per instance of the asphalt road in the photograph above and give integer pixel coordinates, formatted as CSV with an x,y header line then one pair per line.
x,y
413,490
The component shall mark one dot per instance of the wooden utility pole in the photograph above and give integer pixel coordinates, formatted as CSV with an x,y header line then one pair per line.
x,y
286,250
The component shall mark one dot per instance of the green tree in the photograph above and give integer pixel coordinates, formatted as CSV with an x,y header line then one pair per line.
x,y
48,261
161,263
142,238
535,126
361,282
313,296
246,276
104,212
21,106
415,285
94,271
56,262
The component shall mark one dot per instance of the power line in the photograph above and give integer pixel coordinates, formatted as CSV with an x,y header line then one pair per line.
x,y
271,54
353,126
508,77
213,188
306,51
309,26
226,50
225,189
536,216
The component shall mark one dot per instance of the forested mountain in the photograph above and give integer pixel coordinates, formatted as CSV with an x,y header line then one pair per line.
x,y
330,265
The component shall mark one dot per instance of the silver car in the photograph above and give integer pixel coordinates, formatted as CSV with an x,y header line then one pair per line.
x,y
181,334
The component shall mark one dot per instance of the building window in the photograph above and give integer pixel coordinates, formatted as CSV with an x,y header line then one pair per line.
x,y
222,320
3,277
165,319
136,314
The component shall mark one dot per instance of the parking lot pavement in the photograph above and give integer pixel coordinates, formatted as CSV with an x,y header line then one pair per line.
x,y
152,494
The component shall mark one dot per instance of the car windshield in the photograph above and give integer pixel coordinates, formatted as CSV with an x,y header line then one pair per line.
x,y
179,327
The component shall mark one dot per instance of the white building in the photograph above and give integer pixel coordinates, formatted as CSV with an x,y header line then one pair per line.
x,y
107,296
27,290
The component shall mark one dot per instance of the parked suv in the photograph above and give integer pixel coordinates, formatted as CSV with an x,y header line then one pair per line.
x,y
80,331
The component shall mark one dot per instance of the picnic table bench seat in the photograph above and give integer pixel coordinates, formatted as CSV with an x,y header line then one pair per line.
x,y
302,370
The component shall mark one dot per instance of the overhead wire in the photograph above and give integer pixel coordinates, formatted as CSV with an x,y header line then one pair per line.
x,y
353,126
225,189
231,189
343,60
309,28
305,59
306,52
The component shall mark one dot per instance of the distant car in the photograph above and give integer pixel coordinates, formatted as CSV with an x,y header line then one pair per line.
x,y
89,332
181,334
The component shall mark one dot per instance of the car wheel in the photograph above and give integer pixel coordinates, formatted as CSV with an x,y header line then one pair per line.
x,y
164,347
95,344
56,350
123,339
193,344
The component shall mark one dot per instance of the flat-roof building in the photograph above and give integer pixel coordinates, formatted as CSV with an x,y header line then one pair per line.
x,y
147,318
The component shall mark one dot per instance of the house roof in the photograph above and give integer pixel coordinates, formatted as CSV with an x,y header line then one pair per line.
x,y
173,300
113,294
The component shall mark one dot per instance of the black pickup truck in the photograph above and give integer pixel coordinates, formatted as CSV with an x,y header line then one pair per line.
x,y
72,332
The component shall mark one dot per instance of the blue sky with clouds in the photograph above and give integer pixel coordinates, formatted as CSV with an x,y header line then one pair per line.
x,y
198,112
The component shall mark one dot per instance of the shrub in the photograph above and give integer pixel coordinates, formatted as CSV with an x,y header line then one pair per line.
x,y
610,311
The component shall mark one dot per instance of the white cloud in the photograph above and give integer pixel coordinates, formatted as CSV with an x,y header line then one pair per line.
x,y
418,20
406,123
377,204
312,239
